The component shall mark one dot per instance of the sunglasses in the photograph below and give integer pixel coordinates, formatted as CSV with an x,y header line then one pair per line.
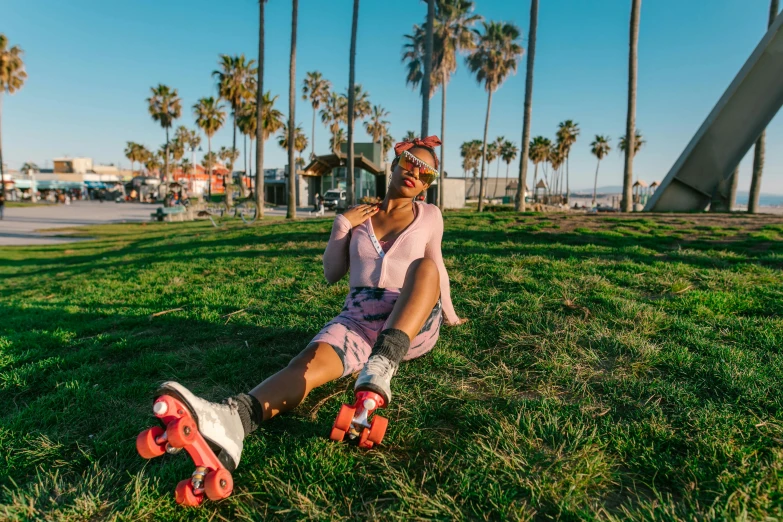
x,y
408,161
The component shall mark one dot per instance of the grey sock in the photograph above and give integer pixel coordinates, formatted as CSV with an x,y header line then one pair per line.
x,y
392,344
250,412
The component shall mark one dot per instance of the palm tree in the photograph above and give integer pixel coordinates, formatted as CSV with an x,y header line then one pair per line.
x,y
494,58
539,153
188,138
426,88
471,152
300,140
29,167
630,126
376,126
247,122
758,153
337,140
333,113
388,143
153,161
452,35
209,160
185,165
144,156
508,152
236,83
600,148
292,176
131,152
520,204
317,89
228,157
165,107
12,77
567,133
271,118
351,103
556,158
210,116
410,136
499,142
259,113
492,154
638,143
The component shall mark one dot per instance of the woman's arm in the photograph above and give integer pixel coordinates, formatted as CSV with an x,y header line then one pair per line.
x,y
336,256
433,251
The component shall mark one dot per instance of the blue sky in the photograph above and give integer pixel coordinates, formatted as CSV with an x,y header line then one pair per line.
x,y
91,64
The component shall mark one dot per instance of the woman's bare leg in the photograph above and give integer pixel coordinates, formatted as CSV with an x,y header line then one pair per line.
x,y
419,294
319,363
285,390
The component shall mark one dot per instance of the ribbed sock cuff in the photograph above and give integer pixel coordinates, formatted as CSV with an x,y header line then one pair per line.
x,y
392,344
250,412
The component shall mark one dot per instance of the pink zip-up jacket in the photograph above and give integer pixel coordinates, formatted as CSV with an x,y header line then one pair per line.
x,y
421,239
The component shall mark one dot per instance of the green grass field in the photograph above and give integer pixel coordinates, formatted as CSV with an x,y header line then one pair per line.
x,y
614,368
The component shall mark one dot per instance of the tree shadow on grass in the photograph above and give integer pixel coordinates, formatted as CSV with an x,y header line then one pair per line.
x,y
69,375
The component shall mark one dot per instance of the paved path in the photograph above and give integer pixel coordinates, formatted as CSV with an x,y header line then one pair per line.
x,y
22,225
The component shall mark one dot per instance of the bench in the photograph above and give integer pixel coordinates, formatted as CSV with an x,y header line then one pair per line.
x,y
164,212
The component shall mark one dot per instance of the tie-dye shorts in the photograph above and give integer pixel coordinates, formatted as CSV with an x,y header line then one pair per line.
x,y
352,334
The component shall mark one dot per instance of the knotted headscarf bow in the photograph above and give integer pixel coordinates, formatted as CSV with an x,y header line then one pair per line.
x,y
430,142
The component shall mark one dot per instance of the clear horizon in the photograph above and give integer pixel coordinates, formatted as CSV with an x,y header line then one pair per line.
x,y
91,66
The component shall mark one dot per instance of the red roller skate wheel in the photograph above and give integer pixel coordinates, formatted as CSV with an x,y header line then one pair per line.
x,y
146,444
184,494
364,442
378,429
182,432
337,434
344,418
218,484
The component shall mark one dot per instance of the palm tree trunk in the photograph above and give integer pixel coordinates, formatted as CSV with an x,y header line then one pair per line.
x,y
535,181
292,176
209,166
166,160
733,189
351,100
531,58
595,183
2,172
312,138
505,187
758,156
259,114
484,154
244,174
442,181
426,80
568,178
233,146
758,170
630,127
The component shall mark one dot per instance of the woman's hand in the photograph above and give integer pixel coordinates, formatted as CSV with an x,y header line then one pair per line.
x,y
360,213
463,320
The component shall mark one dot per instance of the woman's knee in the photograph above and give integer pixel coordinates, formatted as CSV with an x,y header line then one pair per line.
x,y
424,268
318,362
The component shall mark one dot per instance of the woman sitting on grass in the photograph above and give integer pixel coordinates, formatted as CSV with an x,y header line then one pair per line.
x,y
399,296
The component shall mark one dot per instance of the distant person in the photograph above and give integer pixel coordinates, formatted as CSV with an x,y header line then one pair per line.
x,y
399,298
315,202
2,206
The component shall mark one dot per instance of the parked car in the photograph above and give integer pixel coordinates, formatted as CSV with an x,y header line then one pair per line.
x,y
335,198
